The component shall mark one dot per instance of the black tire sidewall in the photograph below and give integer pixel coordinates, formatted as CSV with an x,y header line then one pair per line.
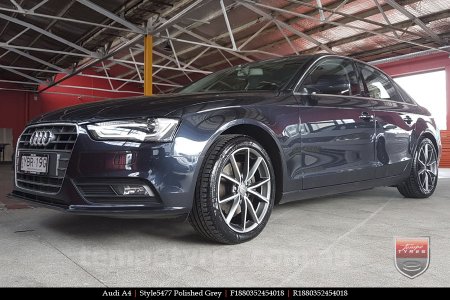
x,y
217,218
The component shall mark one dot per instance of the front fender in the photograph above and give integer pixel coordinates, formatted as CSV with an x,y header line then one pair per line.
x,y
200,130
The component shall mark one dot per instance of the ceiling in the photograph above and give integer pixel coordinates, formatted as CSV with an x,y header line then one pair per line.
x,y
42,39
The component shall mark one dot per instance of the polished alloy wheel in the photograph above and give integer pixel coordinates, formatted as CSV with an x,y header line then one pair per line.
x,y
427,168
244,189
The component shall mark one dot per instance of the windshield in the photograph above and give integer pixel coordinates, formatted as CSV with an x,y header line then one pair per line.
x,y
268,75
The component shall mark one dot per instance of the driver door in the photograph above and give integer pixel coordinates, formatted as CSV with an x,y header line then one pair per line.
x,y
336,125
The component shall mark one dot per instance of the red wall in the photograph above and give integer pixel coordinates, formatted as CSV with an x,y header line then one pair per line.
x,y
62,95
17,108
440,61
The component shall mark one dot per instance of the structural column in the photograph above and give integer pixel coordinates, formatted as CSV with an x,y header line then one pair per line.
x,y
148,65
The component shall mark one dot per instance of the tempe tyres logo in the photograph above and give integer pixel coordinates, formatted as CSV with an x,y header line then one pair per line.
x,y
412,255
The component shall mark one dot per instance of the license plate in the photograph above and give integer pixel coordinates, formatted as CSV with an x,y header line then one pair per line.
x,y
34,163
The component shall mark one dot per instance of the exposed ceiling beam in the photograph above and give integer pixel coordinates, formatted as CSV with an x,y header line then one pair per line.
x,y
213,16
368,55
271,28
333,8
357,17
428,18
19,82
59,18
19,8
47,28
403,24
34,8
36,59
94,62
29,69
212,43
286,26
168,23
416,20
205,20
21,74
44,32
272,8
112,16
33,49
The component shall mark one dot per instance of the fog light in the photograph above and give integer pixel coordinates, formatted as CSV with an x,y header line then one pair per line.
x,y
133,190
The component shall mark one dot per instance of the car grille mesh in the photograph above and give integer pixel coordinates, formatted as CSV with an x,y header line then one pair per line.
x,y
65,137
61,148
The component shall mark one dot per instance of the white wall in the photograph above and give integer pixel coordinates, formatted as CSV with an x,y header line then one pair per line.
x,y
429,90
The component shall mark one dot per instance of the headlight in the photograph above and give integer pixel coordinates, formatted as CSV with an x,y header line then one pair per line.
x,y
141,130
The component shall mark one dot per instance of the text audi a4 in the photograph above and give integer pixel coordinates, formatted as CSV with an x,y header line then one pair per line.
x,y
228,147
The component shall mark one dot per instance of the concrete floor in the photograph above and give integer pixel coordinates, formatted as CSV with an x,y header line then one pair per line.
x,y
344,240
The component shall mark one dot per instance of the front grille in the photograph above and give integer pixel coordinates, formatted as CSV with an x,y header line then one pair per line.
x,y
59,151
65,137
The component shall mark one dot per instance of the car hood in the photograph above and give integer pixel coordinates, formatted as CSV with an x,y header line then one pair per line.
x,y
160,105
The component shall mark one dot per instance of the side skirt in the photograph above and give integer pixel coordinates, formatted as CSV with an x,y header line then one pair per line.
x,y
342,188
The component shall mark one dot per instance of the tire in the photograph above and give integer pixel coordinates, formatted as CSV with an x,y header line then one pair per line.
x,y
423,178
221,211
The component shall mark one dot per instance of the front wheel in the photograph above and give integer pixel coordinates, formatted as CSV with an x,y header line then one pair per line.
x,y
424,172
235,191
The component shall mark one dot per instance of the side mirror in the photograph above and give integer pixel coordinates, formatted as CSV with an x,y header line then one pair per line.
x,y
308,96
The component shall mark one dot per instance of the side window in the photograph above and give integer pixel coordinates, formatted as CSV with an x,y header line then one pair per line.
x,y
378,84
407,98
335,76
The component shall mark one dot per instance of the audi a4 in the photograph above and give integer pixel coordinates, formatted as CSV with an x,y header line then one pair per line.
x,y
227,148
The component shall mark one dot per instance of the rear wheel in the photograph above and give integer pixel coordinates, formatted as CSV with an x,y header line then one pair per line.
x,y
424,172
235,191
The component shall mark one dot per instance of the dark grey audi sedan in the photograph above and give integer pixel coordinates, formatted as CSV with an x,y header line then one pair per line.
x,y
225,149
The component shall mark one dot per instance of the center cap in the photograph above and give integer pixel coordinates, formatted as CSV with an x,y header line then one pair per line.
x,y
242,189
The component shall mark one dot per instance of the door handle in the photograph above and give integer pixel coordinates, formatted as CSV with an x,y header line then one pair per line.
x,y
366,116
407,119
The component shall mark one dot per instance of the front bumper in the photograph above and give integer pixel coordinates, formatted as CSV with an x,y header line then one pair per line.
x,y
99,165
132,211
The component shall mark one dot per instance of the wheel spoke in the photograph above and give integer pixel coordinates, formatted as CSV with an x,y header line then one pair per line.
x,y
426,182
237,173
244,212
259,184
247,163
421,162
228,199
229,178
254,168
425,153
232,211
252,211
432,177
433,169
421,171
258,195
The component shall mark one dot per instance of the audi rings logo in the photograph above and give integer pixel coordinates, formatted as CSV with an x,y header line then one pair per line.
x,y
42,138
